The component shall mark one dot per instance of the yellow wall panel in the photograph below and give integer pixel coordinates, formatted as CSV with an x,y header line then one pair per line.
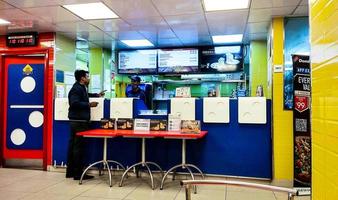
x,y
282,120
324,50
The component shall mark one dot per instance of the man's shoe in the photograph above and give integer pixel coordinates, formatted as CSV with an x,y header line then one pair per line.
x,y
85,177
69,176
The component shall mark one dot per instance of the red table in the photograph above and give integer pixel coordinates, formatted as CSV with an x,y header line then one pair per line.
x,y
102,133
105,134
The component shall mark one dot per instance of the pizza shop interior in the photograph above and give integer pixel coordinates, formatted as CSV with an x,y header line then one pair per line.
x,y
169,99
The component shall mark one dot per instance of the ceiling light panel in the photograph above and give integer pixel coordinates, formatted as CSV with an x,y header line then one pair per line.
x,y
137,43
214,5
89,11
226,39
4,22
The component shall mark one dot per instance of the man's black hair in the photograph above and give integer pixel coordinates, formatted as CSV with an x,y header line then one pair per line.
x,y
135,79
79,74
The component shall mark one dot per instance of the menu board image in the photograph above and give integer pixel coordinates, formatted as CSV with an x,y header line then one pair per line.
x,y
178,60
137,62
221,59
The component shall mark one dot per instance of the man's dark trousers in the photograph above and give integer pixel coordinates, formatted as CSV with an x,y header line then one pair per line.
x,y
75,149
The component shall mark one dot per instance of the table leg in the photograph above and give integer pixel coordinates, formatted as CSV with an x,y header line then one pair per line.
x,y
127,170
166,174
192,177
195,167
183,165
151,176
143,163
109,173
85,171
156,165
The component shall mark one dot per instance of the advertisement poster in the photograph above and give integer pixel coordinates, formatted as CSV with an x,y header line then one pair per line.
x,y
301,121
296,30
221,59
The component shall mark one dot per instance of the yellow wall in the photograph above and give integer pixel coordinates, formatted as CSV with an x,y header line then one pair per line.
x,y
282,120
324,63
258,66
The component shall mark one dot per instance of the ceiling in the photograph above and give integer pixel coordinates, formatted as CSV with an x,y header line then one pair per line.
x,y
166,23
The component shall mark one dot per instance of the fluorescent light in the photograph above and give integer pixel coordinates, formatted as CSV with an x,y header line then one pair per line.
x,y
224,39
137,43
91,11
4,22
227,49
212,5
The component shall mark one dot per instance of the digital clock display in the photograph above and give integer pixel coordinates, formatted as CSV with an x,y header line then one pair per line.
x,y
22,40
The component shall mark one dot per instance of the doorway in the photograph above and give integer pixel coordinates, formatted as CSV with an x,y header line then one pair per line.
x,y
24,113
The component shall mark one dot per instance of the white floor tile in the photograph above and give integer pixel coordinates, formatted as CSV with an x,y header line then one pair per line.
x,y
41,185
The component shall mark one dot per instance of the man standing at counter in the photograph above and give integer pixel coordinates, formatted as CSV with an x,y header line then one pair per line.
x,y
136,91
79,116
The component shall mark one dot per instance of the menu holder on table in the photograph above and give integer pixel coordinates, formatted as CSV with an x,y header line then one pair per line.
x,y
107,123
158,125
142,124
174,122
191,126
125,124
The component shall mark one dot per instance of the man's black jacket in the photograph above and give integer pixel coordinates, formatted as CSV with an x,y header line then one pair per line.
x,y
78,99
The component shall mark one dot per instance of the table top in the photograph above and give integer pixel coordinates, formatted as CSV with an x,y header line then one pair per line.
x,y
141,134
98,133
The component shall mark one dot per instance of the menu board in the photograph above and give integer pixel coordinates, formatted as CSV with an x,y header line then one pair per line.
x,y
137,62
178,60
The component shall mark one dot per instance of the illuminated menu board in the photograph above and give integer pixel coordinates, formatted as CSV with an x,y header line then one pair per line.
x,y
137,62
177,60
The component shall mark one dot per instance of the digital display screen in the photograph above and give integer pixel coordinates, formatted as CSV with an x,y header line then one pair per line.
x,y
177,61
137,62
22,40
221,59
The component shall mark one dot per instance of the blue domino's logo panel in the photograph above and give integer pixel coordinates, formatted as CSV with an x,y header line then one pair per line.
x,y
18,118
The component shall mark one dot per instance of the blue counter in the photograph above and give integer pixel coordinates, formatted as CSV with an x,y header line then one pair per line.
x,y
228,149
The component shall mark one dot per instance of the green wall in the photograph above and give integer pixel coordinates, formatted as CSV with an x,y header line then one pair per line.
x,y
65,61
258,66
100,65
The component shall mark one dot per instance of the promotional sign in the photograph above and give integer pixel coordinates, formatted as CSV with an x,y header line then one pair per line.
x,y
301,121
142,124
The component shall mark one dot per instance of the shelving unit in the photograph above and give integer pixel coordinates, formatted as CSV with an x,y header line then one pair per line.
x,y
162,93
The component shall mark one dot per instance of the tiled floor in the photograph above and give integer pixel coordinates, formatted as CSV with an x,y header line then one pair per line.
x,y
36,185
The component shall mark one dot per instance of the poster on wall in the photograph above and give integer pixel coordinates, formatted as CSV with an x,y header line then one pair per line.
x,y
301,121
296,42
288,88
